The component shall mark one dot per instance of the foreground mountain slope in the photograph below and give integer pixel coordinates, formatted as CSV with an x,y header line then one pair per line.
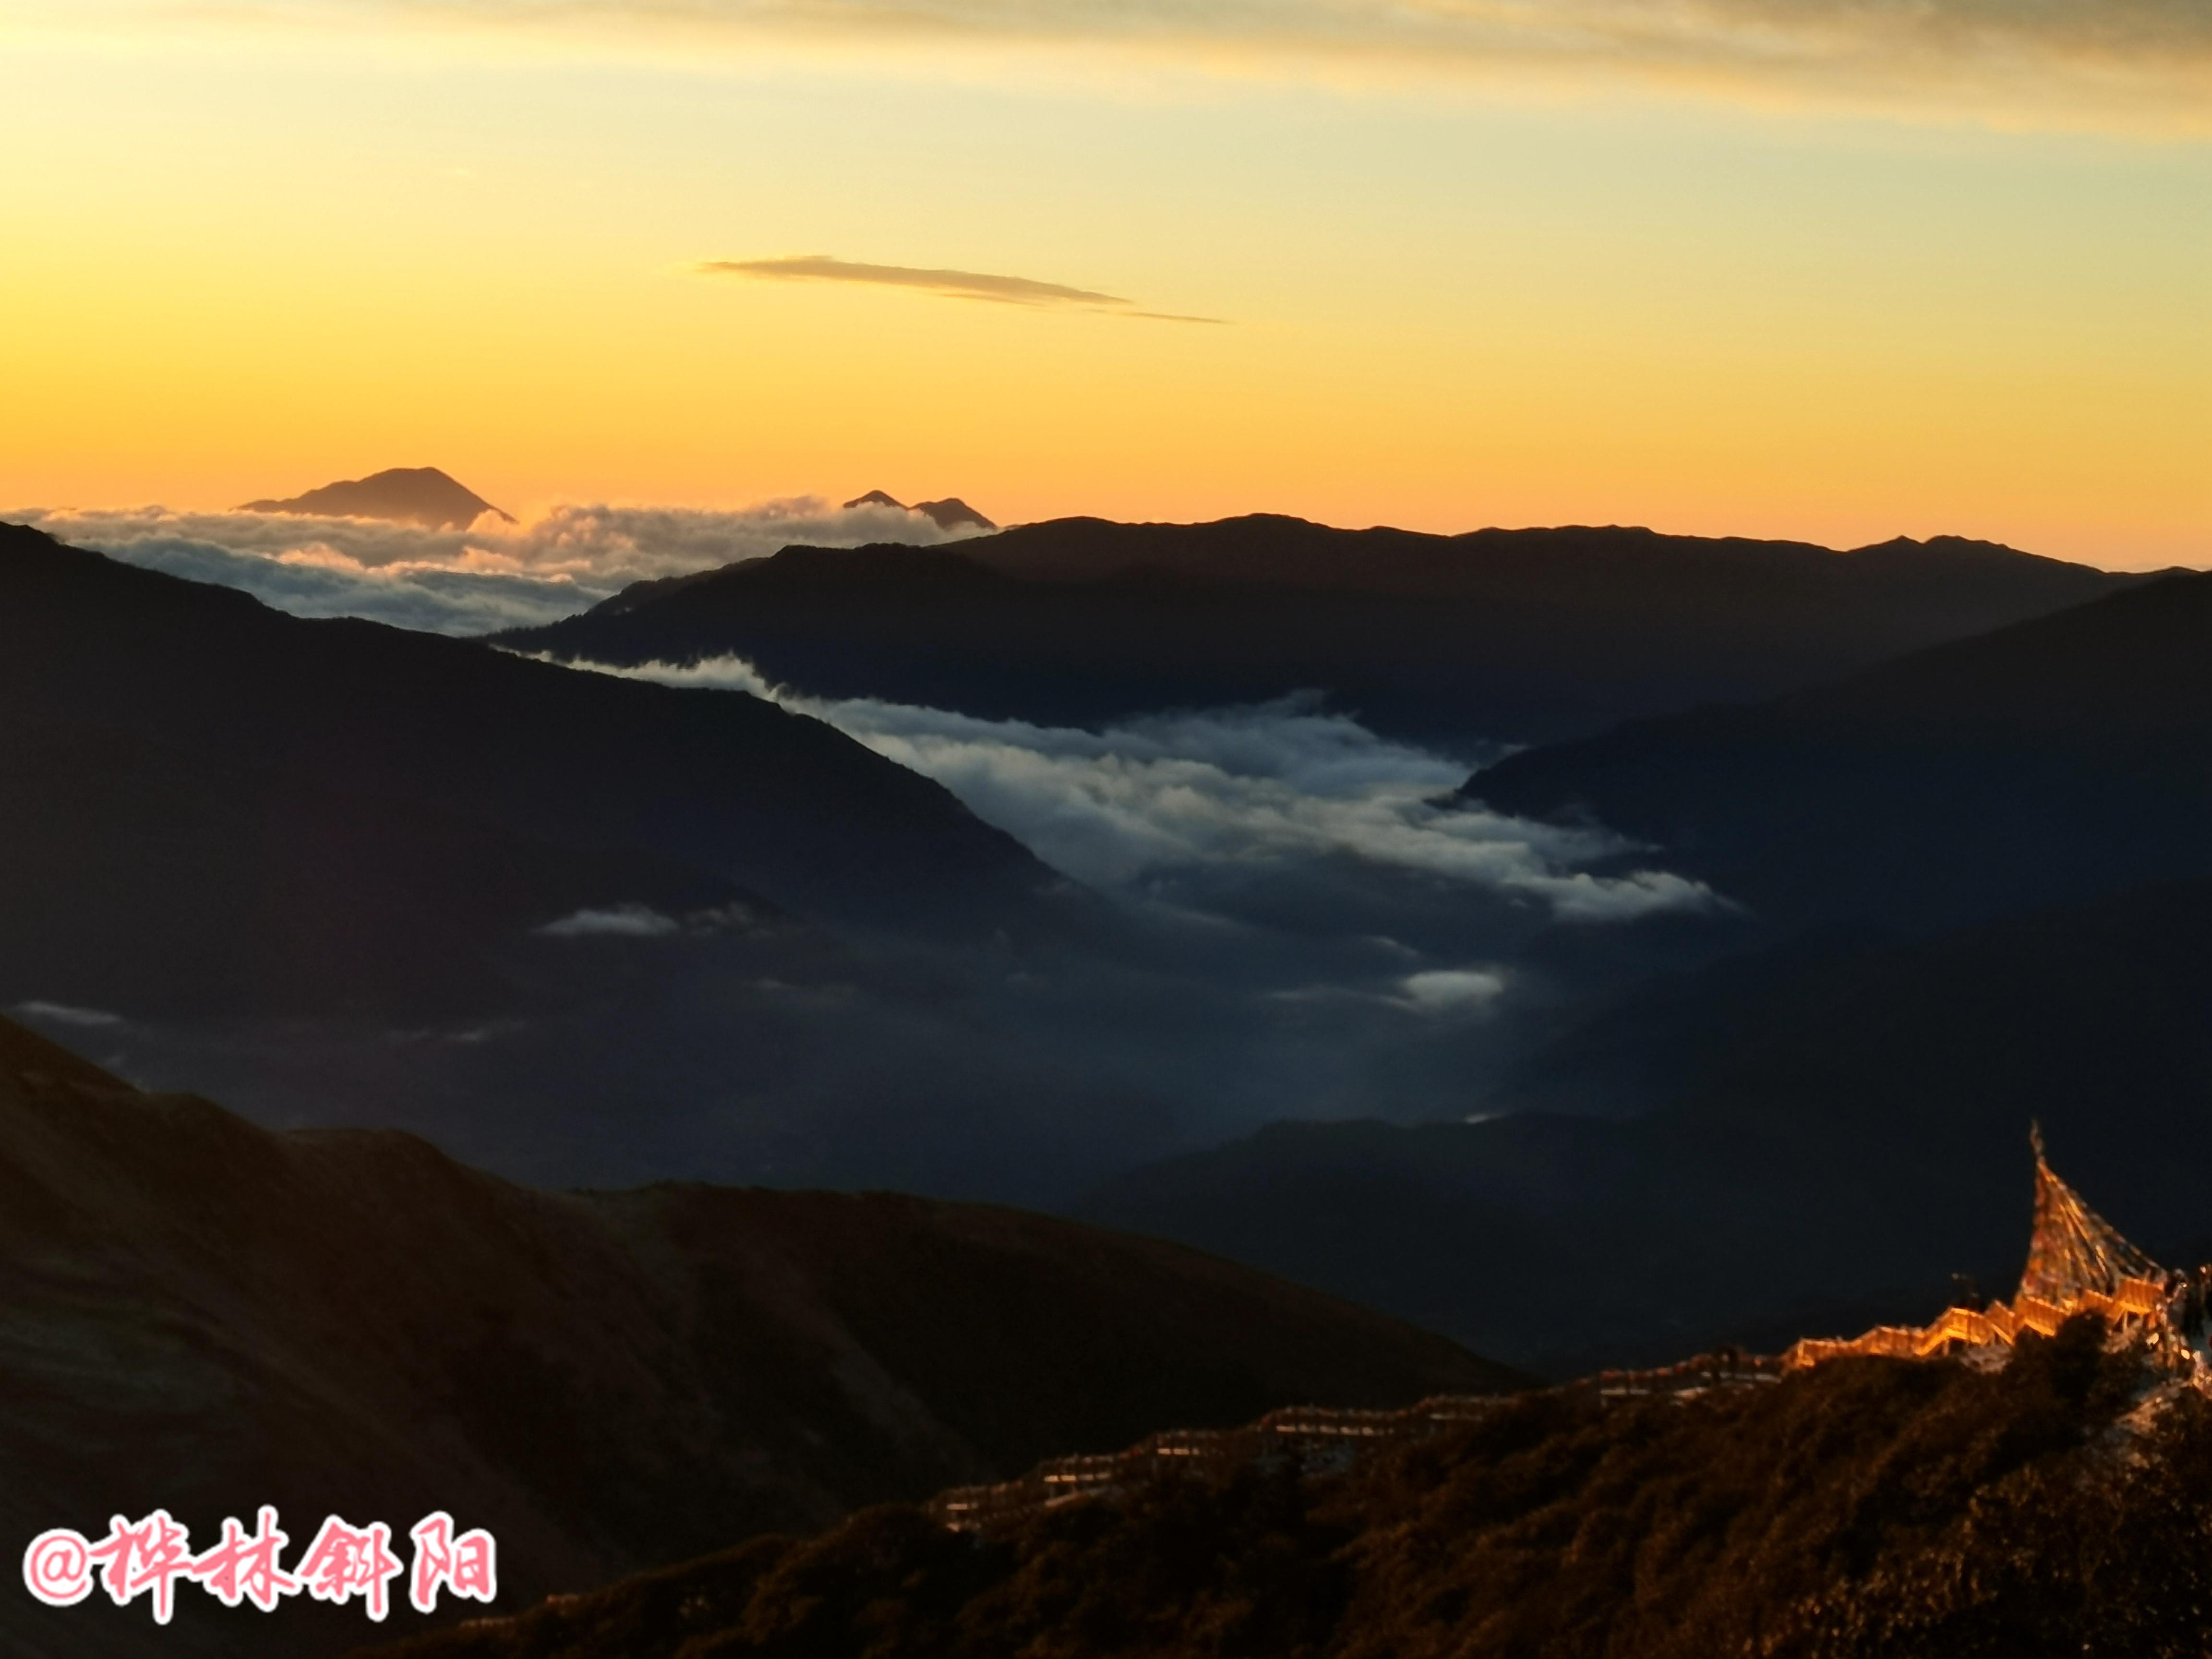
x,y
207,1316
223,806
1826,1135
2047,761
1867,1509
1499,634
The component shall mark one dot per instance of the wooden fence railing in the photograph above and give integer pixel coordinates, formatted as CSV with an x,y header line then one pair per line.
x,y
1321,1439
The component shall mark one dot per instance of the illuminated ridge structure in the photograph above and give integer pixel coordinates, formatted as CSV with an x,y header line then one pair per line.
x,y
2077,1262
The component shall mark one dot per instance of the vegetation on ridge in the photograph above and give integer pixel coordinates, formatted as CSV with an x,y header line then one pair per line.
x,y
1869,1509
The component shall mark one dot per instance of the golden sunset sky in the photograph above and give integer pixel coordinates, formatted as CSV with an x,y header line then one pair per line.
x,y
1766,267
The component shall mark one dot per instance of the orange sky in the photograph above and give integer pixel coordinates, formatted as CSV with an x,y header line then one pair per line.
x,y
252,259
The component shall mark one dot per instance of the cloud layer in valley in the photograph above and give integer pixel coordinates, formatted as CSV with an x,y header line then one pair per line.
x,y
1295,931
1172,805
476,581
2124,63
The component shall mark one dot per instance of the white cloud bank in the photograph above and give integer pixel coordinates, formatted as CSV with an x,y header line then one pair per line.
x,y
489,576
1451,990
1276,784
635,919
62,1013
615,922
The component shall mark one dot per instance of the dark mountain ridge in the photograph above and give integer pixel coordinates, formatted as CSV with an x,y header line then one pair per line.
x,y
221,806
405,495
1518,635
1627,567
2042,762
207,1316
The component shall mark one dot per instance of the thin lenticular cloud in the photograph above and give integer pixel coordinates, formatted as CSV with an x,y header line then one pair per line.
x,y
944,284
952,284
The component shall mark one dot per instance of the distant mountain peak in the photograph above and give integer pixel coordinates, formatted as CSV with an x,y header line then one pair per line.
x,y
1952,546
404,495
951,514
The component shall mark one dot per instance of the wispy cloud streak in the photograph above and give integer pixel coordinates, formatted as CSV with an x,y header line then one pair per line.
x,y
944,284
953,284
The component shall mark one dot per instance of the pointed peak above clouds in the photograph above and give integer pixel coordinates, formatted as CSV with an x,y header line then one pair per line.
x,y
404,495
951,514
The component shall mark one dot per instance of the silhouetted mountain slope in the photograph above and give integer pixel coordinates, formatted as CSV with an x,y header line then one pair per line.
x,y
1836,1131
953,513
219,806
406,495
2046,761
1499,634
206,1317
1868,1509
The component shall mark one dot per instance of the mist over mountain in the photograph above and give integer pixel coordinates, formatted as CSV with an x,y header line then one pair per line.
x,y
1807,1139
407,494
2052,759
1943,856
578,929
205,1316
575,927
1493,637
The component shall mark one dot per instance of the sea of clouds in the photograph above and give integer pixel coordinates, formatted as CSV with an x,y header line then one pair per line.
x,y
477,580
1200,809
1217,811
1177,808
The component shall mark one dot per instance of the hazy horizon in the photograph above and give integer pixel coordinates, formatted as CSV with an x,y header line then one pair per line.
x,y
551,562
